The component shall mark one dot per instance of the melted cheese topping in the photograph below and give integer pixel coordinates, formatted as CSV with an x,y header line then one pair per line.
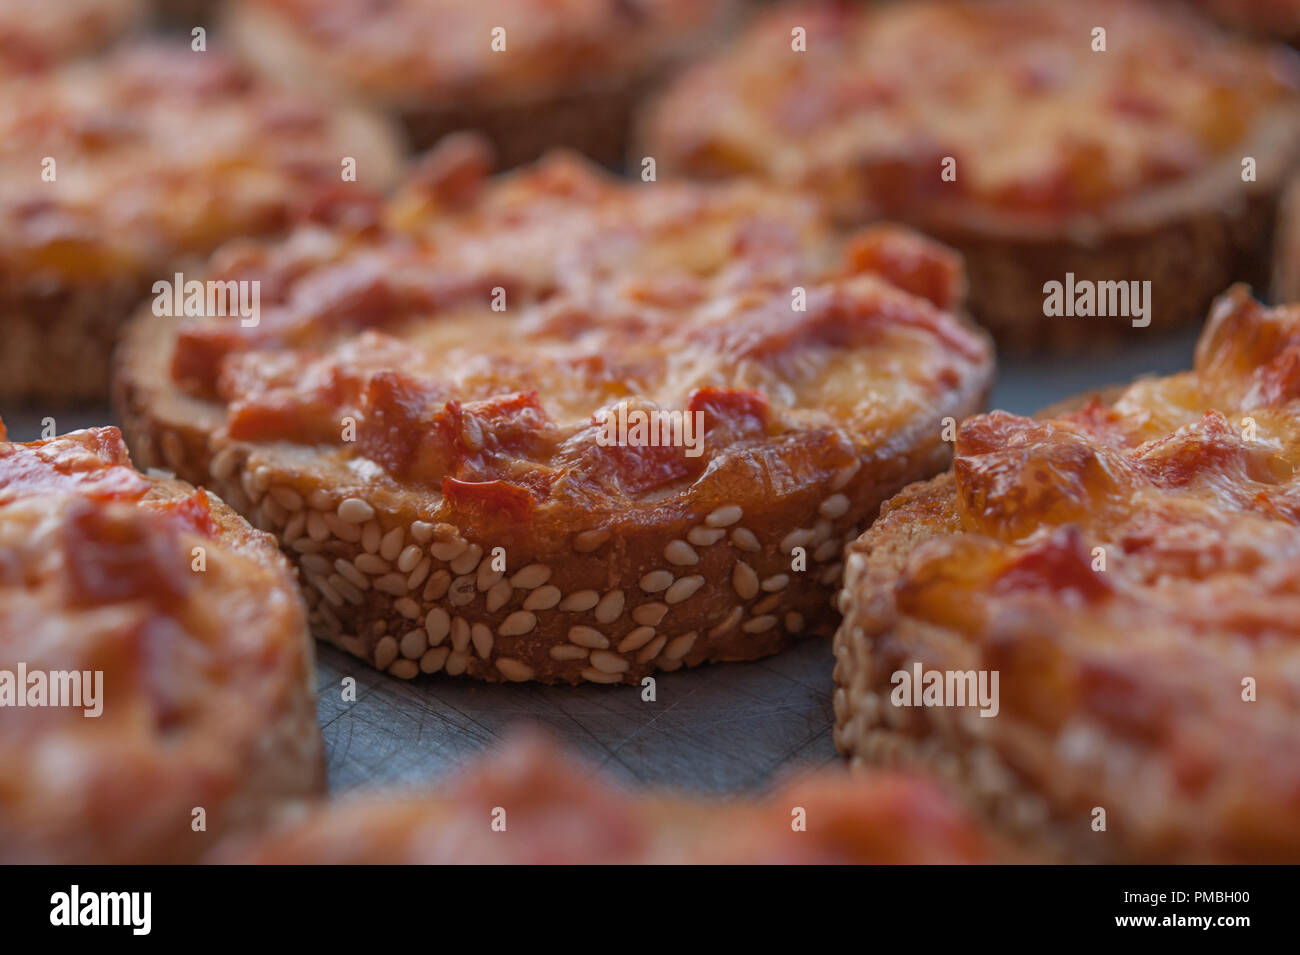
x,y
1039,125
442,49
1188,489
651,297
159,152
563,814
34,36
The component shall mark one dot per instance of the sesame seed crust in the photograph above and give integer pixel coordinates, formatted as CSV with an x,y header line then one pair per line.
x,y
1124,562
577,582
195,625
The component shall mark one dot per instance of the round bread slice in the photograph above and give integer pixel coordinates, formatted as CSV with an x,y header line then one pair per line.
x,y
561,427
1005,129
120,173
1129,571
532,803
156,687
36,36
518,71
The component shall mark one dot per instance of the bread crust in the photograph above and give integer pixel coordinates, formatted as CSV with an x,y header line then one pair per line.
x,y
603,582
1025,204
572,90
207,697
129,194
1124,711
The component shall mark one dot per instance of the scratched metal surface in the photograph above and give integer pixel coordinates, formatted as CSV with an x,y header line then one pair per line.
x,y
718,729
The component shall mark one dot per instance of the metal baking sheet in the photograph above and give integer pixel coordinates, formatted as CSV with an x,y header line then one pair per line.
x,y
716,729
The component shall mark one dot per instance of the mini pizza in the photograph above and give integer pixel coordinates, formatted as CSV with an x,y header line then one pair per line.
x,y
117,174
155,664
529,74
35,36
1094,193
1130,571
533,804
558,426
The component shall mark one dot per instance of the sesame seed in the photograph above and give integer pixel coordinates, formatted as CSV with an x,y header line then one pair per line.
x,y
728,623
607,661
223,463
651,649
705,536
394,584
580,601
468,560
487,577
422,531
837,505
744,580
305,545
457,663
681,553
385,652
459,634
407,607
684,589
317,529
437,623
418,574
724,516
759,624
433,660
587,541
448,550
744,538
656,581
480,634
370,536
588,637
519,622
461,591
592,675
532,576
436,586
372,564
390,545
610,607
832,573
798,537
635,640
320,500
650,614
355,511
351,533
350,593
498,595
326,590
543,598
287,497
350,573
567,651
776,582
827,550
413,644
845,474
405,669
514,670
316,563
680,646
297,524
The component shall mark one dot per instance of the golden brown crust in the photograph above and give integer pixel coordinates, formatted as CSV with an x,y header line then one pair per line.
x,y
1128,568
532,803
476,430
117,173
1065,160
567,78
192,621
